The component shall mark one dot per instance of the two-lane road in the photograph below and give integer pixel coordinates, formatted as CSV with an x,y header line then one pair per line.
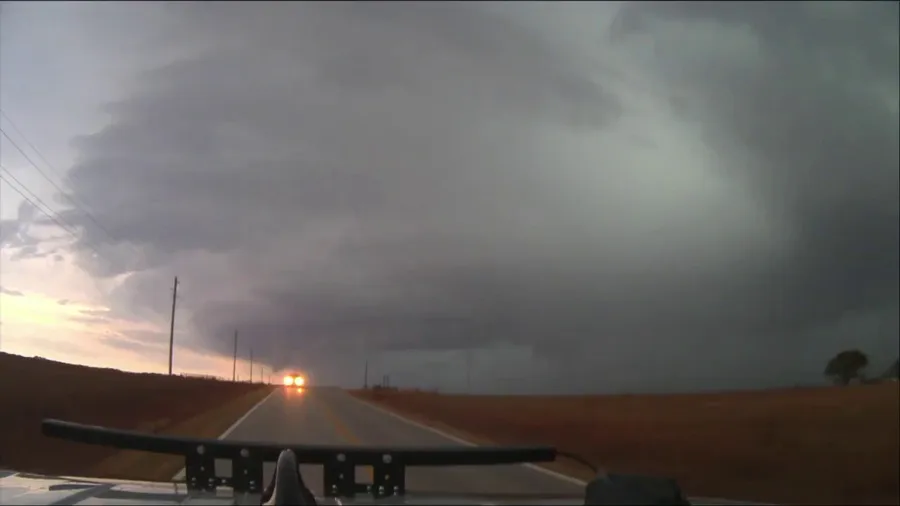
x,y
332,416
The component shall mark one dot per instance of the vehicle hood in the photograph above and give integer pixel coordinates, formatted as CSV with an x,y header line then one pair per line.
x,y
36,489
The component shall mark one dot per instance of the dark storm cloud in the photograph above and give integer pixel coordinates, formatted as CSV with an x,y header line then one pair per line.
x,y
339,180
145,343
90,320
14,232
9,291
814,119
8,229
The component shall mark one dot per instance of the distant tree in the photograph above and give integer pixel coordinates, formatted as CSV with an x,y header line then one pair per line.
x,y
846,366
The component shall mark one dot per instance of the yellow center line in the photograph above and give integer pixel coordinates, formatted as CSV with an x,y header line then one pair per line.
x,y
344,432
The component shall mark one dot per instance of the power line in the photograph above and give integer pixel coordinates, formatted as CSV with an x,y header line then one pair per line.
x,y
56,218
33,147
52,218
75,202
80,206
39,208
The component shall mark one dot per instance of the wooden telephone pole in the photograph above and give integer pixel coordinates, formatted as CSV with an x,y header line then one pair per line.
x,y
172,324
469,371
234,362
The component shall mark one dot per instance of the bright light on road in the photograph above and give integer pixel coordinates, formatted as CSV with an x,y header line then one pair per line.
x,y
290,380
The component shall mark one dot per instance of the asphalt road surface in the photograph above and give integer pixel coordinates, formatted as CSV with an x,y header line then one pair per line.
x,y
331,416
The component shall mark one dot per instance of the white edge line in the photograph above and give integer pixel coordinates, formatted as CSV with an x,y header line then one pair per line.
x,y
459,440
249,412
180,474
539,469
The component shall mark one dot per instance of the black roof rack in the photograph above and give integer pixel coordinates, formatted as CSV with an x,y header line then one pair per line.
x,y
339,462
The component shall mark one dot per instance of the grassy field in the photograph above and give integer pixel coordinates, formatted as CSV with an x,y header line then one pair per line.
x,y
32,389
800,446
824,446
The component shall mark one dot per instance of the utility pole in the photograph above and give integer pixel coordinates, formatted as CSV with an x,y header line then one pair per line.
x,y
172,324
251,365
366,377
234,363
469,371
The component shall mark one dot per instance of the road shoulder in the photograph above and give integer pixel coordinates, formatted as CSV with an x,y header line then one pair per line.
x,y
134,465
564,468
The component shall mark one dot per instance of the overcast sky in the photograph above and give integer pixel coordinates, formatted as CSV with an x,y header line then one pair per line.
x,y
569,197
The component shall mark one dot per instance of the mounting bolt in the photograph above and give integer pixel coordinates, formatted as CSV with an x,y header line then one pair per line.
x,y
245,452
341,457
201,449
386,458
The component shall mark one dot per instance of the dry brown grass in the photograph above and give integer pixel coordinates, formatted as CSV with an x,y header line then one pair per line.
x,y
132,465
33,389
817,445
